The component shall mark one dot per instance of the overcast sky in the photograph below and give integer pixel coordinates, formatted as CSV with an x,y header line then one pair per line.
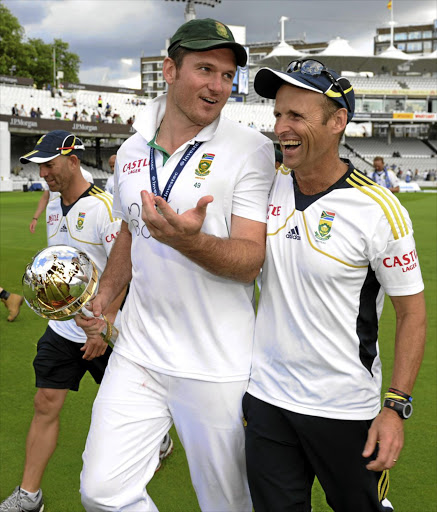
x,y
110,36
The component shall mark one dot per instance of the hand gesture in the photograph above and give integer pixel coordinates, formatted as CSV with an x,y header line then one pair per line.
x,y
166,226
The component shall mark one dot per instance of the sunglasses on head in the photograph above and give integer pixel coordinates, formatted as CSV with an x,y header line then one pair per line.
x,y
315,68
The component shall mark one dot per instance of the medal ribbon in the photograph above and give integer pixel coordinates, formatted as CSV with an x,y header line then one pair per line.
x,y
174,175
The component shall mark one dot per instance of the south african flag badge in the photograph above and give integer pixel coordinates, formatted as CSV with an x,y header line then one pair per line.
x,y
203,169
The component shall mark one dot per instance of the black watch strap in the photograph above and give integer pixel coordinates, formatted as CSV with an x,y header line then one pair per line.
x,y
403,407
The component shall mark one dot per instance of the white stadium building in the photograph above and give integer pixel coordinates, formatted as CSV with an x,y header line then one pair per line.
x,y
395,112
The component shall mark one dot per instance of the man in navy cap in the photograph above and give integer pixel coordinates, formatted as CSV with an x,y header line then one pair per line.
x,y
79,216
336,243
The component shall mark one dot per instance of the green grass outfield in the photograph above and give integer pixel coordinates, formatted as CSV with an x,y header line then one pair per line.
x,y
413,481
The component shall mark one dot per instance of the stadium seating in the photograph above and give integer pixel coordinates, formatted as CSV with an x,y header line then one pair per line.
x,y
406,147
255,112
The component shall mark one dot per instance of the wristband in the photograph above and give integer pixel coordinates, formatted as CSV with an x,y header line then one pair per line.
x,y
34,218
401,394
107,337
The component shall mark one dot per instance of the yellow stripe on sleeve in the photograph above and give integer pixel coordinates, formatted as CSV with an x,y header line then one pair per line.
x,y
379,194
395,204
106,198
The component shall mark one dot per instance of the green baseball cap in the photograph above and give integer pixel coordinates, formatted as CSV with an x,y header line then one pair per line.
x,y
207,34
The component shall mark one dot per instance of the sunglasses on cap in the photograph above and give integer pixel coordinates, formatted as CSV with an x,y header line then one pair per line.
x,y
315,68
65,149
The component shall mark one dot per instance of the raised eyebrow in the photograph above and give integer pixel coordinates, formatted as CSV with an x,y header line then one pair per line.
x,y
213,66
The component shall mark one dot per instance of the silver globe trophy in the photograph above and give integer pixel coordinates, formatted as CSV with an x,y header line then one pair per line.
x,y
59,282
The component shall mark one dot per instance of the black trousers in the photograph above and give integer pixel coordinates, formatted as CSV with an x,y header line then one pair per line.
x,y
286,450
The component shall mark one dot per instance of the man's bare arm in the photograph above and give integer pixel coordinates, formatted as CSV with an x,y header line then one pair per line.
x,y
42,205
387,428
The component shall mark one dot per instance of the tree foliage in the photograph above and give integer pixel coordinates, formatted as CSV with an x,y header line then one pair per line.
x,y
33,58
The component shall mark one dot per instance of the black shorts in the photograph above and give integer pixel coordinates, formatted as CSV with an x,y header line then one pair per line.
x,y
58,363
286,450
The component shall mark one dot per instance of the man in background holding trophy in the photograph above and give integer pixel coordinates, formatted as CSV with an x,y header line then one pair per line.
x,y
80,217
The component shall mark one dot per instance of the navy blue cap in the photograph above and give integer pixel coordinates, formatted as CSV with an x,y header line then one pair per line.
x,y
53,144
268,81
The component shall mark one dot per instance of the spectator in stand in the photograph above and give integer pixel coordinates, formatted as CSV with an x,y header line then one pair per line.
x,y
15,110
116,117
39,114
58,115
93,117
22,111
100,102
66,117
32,112
84,116
108,109
384,177
130,121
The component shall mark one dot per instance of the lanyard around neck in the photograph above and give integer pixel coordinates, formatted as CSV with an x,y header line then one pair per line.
x,y
154,185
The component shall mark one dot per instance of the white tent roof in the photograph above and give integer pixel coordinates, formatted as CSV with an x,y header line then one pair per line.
x,y
340,47
393,53
426,63
281,55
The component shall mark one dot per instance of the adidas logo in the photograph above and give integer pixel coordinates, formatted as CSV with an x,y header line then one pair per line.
x,y
293,233
63,229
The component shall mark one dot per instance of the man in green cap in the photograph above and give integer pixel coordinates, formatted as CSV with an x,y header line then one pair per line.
x,y
192,189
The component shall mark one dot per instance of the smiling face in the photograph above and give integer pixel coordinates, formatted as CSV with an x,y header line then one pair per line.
x,y
308,140
58,173
199,89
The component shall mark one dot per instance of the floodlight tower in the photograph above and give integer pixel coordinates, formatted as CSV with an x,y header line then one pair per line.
x,y
190,12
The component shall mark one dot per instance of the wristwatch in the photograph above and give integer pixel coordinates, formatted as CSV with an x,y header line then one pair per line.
x,y
403,407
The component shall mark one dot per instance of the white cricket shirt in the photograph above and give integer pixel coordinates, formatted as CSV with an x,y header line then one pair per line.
x,y
180,319
88,224
330,259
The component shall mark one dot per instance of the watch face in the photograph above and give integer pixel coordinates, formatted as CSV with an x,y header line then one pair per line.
x,y
404,408
408,410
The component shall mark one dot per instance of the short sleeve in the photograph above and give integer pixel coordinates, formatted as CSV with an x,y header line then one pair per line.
x,y
395,260
251,192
